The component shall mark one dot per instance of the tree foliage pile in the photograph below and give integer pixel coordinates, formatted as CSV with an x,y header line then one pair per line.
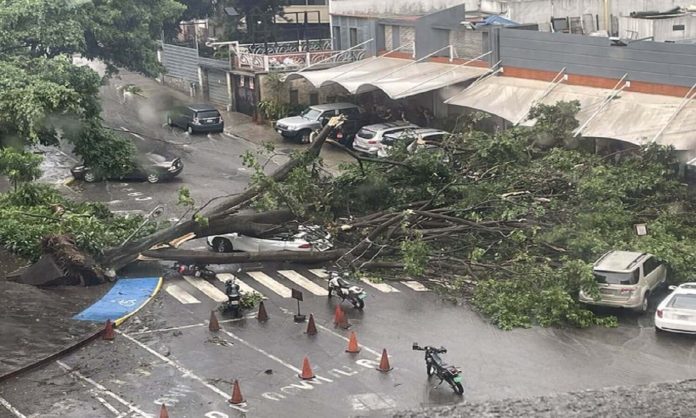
x,y
513,220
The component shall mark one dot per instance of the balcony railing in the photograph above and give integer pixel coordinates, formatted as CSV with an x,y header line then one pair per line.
x,y
308,45
285,58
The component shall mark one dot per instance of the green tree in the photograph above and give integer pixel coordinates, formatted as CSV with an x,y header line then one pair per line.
x,y
19,166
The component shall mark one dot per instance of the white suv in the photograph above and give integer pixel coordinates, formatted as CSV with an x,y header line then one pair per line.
x,y
368,140
626,279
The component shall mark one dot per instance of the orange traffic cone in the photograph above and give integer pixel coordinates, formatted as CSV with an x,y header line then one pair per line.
x,y
108,332
338,315
311,326
262,316
353,344
384,362
213,325
340,319
163,412
236,394
307,373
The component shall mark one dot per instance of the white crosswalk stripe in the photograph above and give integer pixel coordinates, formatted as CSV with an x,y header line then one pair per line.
x,y
300,280
245,288
382,287
270,283
417,286
180,294
321,273
211,291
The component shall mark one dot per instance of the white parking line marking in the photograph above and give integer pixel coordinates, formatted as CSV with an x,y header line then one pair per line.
x,y
268,281
201,324
180,294
299,279
321,273
245,288
264,352
382,287
417,286
11,408
106,404
103,390
186,372
132,133
211,291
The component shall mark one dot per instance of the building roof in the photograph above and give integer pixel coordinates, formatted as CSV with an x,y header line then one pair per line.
x,y
231,11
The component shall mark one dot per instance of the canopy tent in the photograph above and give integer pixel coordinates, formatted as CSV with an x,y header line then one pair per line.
x,y
631,117
398,78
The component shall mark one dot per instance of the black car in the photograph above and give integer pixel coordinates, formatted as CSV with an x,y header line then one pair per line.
x,y
196,118
153,168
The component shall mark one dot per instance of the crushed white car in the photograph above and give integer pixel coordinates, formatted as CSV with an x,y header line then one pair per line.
x,y
308,238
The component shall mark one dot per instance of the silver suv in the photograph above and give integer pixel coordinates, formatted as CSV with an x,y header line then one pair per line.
x,y
313,119
626,279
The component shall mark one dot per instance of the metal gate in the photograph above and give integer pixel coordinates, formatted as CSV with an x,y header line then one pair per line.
x,y
217,87
244,93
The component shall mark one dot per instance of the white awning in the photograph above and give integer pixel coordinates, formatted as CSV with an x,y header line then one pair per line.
x,y
637,118
632,117
511,98
398,78
351,75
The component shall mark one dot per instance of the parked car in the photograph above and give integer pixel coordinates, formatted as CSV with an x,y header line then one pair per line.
x,y
422,135
308,238
626,279
152,168
369,139
677,312
196,118
313,119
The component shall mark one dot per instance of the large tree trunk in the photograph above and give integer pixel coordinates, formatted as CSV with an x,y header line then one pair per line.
x,y
222,217
189,256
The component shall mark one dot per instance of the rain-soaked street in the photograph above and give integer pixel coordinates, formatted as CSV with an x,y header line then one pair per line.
x,y
165,354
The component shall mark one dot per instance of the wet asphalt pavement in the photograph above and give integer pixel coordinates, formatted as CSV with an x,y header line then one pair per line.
x,y
166,355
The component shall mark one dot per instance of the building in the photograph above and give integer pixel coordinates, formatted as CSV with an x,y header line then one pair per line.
x,y
677,25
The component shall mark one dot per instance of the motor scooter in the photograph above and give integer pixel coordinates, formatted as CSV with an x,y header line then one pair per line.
x,y
434,365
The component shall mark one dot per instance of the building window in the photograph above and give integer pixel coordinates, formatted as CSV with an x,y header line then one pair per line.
x,y
677,27
336,36
313,99
353,37
251,83
241,81
294,97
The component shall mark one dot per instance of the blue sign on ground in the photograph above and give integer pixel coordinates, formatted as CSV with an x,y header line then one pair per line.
x,y
126,297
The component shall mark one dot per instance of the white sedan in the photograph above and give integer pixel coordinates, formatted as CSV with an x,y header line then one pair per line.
x,y
308,238
677,312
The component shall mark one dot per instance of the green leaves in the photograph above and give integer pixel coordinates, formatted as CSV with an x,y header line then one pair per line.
x,y
19,166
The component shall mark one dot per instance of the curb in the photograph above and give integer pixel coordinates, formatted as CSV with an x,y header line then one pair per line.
x,y
89,338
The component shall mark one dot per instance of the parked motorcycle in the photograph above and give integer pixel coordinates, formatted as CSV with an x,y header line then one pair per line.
x,y
233,306
346,290
435,365
196,270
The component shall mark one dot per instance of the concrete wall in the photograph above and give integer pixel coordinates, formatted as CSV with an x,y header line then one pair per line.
x,y
467,44
367,29
653,62
394,7
661,29
433,31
